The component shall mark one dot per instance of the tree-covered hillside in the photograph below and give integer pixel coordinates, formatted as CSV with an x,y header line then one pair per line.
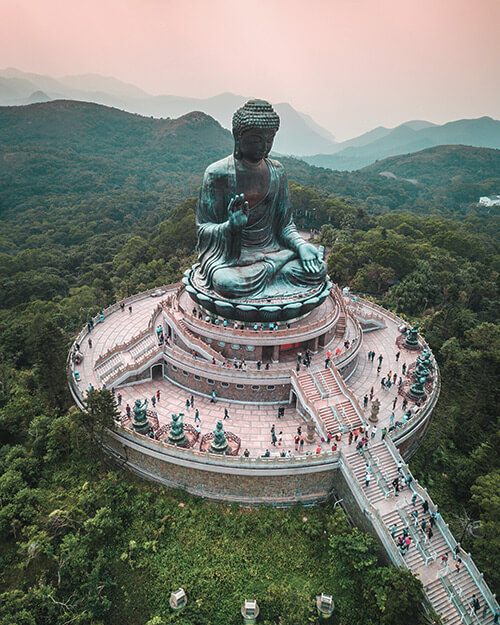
x,y
83,224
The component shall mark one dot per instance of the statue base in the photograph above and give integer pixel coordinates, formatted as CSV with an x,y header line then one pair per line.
x,y
264,309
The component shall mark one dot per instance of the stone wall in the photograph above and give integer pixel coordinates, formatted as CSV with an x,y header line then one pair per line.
x,y
250,481
246,390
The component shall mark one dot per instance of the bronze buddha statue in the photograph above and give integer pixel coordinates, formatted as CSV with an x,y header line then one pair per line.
x,y
249,247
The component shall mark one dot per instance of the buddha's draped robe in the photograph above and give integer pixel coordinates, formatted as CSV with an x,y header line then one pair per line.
x,y
261,260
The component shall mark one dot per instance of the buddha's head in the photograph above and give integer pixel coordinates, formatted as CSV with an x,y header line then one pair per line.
x,y
254,127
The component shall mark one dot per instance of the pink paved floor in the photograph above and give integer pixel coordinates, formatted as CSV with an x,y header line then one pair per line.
x,y
252,423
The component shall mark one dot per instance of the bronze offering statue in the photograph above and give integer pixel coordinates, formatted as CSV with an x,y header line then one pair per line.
x,y
250,253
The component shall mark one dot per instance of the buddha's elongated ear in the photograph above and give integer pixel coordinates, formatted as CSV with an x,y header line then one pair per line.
x,y
237,150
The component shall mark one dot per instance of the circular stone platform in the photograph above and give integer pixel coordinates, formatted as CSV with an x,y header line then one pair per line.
x,y
199,359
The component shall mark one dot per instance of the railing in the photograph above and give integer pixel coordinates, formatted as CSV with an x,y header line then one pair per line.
x,y
374,467
347,392
455,598
308,405
178,357
197,457
443,527
122,347
428,554
192,341
372,513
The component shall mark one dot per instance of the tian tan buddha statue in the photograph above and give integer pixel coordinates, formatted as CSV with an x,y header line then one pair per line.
x,y
249,249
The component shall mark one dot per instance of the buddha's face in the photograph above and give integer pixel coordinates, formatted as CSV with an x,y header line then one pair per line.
x,y
255,144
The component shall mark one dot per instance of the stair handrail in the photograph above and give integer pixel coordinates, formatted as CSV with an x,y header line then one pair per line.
x,y
371,512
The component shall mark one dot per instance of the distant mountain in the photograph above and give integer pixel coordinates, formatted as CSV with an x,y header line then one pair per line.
x,y
38,96
64,152
409,138
299,134
441,165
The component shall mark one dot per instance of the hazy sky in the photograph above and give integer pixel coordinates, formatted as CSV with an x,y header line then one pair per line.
x,y
350,64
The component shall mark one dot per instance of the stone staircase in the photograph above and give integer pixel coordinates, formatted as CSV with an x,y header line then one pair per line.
x,y
448,591
341,325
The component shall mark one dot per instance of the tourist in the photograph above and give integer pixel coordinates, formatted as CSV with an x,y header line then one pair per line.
x,y
259,364
153,400
395,485
382,382
299,430
407,543
388,384
380,358
268,366
119,399
198,429
301,445
384,433
327,363
266,454
425,506
444,559
374,431
158,395
127,410
197,415
214,395
188,404
408,480
365,401
334,447
423,525
90,343
280,438
246,453
191,401
394,403
318,449
394,378
368,477
391,419
356,434
350,437
397,356
394,529
296,441
403,368
372,391
130,310
122,306
226,414
378,369
430,533
458,564
475,603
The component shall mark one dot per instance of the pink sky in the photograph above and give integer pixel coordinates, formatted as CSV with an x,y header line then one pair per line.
x,y
350,64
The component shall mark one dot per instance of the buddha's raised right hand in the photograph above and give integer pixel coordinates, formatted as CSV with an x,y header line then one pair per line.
x,y
238,212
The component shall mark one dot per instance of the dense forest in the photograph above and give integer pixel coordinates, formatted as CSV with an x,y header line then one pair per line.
x,y
97,204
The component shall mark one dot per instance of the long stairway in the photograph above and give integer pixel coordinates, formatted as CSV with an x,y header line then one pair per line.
x,y
449,591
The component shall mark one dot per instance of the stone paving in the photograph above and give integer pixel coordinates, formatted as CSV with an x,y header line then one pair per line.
x,y
252,423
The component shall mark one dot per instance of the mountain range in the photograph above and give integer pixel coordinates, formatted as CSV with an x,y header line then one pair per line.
x,y
408,138
299,133
88,151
